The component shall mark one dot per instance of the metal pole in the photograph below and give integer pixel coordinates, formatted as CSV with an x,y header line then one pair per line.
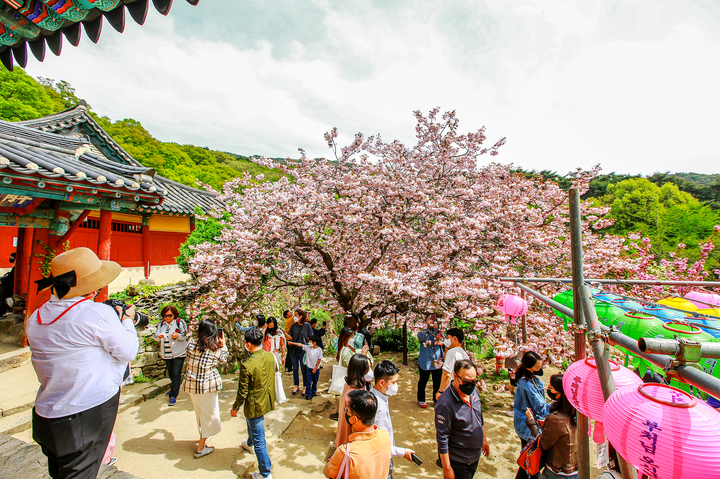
x,y
524,322
579,324
672,347
607,382
651,282
405,347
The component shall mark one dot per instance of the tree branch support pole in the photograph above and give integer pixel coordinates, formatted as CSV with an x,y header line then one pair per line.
x,y
103,251
523,322
579,324
405,345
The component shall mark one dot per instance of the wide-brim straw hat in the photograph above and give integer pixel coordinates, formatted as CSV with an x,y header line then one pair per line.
x,y
91,273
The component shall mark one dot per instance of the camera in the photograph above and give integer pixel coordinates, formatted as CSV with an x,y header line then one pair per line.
x,y
140,320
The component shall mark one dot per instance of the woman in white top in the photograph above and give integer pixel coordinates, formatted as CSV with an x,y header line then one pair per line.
x,y
172,334
274,341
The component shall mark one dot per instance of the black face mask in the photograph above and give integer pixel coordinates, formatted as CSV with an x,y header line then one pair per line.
x,y
272,331
467,388
347,419
538,373
552,396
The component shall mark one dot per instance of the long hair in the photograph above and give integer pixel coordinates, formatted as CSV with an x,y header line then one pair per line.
x,y
529,359
271,331
562,403
357,367
303,316
345,335
351,322
207,336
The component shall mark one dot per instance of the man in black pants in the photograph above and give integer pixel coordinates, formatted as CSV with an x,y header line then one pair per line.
x,y
430,358
80,352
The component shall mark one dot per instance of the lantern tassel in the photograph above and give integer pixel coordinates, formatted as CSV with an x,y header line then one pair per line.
x,y
599,436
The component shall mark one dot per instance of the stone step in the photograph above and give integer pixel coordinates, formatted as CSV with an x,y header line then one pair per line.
x,y
15,423
14,359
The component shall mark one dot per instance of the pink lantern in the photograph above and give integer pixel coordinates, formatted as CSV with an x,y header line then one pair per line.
x,y
664,432
512,306
703,300
581,384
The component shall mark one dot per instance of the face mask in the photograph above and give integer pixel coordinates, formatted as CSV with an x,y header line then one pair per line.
x,y
347,419
392,389
551,395
296,319
369,375
447,343
467,388
538,373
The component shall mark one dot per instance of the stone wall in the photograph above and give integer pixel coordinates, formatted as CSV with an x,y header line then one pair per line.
x,y
148,359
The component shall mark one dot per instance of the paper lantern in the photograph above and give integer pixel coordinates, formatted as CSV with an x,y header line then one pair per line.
x,y
603,296
627,304
663,313
664,432
610,315
678,303
703,300
713,323
671,329
566,299
637,324
512,306
581,384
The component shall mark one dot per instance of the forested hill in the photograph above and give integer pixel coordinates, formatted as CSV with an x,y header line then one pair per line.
x,y
23,97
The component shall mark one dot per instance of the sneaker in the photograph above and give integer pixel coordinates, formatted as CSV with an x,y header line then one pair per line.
x,y
250,449
172,402
112,461
167,393
257,475
206,450
334,416
422,404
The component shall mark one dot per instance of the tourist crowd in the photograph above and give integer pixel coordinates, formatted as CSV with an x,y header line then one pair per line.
x,y
80,351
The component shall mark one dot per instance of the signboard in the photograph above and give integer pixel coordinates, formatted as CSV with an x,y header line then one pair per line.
x,y
15,201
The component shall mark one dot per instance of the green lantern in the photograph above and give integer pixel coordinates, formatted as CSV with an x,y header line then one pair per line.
x,y
610,315
671,329
566,299
637,324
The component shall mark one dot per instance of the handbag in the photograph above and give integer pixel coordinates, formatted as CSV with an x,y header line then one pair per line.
x,y
338,380
280,396
344,471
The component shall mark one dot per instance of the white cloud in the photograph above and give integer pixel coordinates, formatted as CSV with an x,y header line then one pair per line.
x,y
568,85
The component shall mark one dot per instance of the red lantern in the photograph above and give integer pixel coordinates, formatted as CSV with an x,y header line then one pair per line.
x,y
664,432
581,384
512,306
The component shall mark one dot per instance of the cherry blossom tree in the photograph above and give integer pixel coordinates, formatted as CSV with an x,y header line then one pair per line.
x,y
394,232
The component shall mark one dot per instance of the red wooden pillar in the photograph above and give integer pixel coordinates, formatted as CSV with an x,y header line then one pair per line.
x,y
22,260
103,251
146,247
36,257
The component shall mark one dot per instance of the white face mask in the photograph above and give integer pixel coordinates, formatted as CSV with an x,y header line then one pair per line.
x,y
447,343
255,323
392,389
296,319
369,375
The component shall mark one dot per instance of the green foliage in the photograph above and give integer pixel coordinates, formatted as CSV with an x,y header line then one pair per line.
x,y
141,378
664,214
391,339
23,98
206,230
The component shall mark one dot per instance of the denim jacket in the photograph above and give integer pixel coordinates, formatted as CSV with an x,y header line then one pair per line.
x,y
433,353
529,393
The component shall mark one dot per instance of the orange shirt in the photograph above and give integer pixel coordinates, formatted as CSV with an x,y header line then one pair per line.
x,y
369,455
289,322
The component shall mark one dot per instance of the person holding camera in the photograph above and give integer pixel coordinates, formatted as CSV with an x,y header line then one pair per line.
x,y
203,381
172,335
80,351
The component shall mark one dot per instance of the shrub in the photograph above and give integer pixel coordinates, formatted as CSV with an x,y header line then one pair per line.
x,y
391,339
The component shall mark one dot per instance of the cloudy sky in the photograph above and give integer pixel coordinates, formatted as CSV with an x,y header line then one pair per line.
x,y
630,85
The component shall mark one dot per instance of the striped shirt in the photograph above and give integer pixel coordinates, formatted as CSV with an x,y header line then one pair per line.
x,y
172,348
201,375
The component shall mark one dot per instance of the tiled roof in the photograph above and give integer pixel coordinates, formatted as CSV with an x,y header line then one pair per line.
x,y
70,118
179,199
26,151
37,24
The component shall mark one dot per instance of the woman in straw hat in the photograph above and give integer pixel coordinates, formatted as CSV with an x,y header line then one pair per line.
x,y
80,351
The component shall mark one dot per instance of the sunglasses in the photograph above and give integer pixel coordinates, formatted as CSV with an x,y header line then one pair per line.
x,y
168,315
469,381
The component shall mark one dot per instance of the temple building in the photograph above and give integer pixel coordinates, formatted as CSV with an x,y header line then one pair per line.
x,y
66,183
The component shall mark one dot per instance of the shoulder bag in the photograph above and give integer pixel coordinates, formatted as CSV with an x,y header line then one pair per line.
x,y
344,471
338,380
280,396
